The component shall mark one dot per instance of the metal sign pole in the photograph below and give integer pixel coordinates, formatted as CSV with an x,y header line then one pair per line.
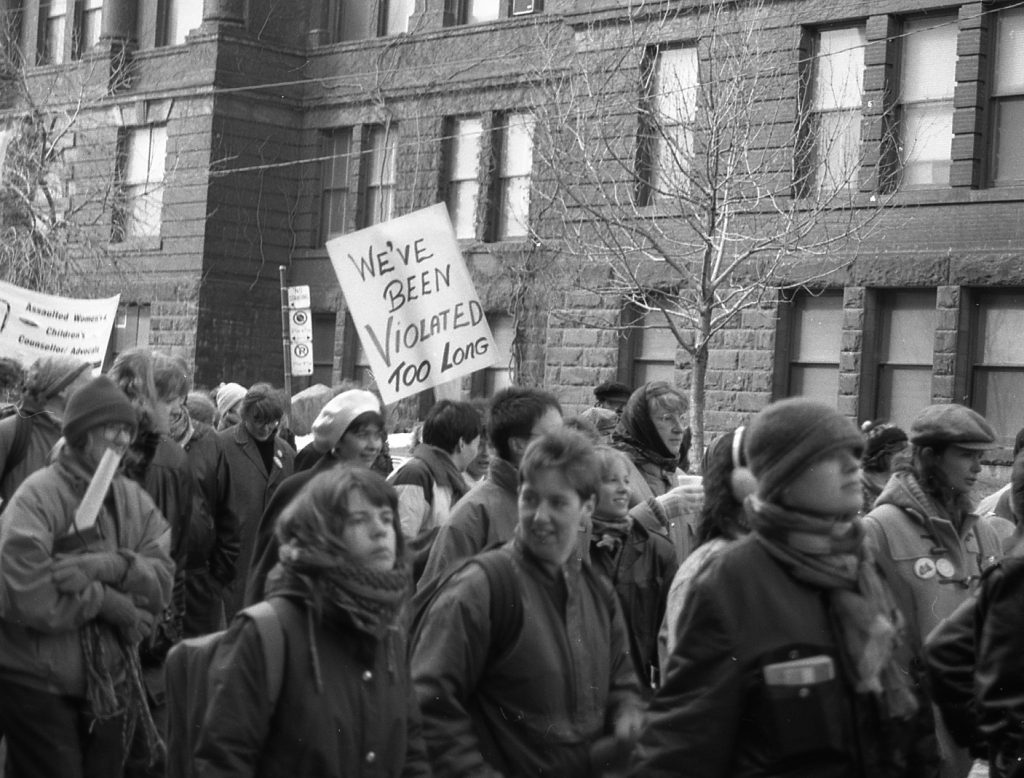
x,y
285,340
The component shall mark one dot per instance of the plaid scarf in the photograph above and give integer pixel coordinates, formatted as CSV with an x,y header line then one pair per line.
x,y
830,554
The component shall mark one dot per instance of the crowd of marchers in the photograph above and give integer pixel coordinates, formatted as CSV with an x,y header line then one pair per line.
x,y
184,594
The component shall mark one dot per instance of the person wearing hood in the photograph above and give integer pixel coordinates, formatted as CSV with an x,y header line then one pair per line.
x,y
652,433
78,599
350,428
787,658
930,544
34,427
346,706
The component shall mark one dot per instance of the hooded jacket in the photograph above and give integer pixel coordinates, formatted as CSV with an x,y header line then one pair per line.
x,y
40,627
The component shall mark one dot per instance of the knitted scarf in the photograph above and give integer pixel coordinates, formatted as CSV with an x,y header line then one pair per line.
x,y
610,533
830,554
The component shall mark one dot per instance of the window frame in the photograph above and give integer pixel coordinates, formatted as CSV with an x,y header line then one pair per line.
x,y
977,301
787,348
998,100
169,15
123,216
330,193
51,33
634,367
500,217
378,178
90,11
454,181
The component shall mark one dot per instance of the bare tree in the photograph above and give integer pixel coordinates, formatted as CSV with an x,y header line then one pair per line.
x,y
55,222
697,179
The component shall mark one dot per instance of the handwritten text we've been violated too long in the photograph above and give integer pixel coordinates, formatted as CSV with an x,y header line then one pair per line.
x,y
412,299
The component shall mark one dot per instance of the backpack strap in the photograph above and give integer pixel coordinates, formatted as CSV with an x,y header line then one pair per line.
x,y
506,606
268,623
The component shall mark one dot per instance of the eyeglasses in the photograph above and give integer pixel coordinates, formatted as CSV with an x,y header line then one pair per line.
x,y
671,418
267,424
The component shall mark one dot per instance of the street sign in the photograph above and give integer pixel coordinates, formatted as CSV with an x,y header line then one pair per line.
x,y
298,297
300,325
302,358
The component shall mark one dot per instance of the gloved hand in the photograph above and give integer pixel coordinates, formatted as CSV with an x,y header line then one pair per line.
x,y
72,574
119,610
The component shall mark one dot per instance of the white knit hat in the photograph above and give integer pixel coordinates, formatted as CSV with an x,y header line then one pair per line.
x,y
335,417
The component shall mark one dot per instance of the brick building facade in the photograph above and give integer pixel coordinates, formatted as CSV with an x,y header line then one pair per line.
x,y
271,126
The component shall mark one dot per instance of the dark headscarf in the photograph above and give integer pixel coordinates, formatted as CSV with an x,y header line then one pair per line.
x,y
636,433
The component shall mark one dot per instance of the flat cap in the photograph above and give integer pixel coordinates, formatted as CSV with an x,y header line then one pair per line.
x,y
950,423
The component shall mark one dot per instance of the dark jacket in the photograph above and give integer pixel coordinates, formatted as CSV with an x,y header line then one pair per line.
x,y
251,489
949,653
999,667
640,570
716,717
487,515
346,707
536,707
213,539
43,436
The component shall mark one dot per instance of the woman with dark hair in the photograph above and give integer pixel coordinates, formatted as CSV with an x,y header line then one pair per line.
x,y
930,544
652,432
258,462
346,701
882,443
722,520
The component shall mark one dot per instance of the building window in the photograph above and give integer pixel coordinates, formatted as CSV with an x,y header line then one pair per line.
x,y
131,330
462,184
996,363
140,174
1008,98
379,173
898,354
323,348
396,16
473,11
670,87
925,102
499,375
815,325
649,352
88,19
50,45
335,178
837,88
177,19
511,201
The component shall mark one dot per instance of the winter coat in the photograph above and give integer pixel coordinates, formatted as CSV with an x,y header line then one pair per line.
x,y
212,547
486,516
640,570
999,667
251,489
716,717
41,628
535,707
43,436
346,707
931,566
428,485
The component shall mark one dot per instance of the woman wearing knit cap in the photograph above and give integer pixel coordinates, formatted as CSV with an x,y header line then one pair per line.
x,y
786,658
882,443
930,544
350,429
345,707
229,403
77,601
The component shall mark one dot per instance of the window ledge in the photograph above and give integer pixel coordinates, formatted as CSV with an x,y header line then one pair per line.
x,y
148,244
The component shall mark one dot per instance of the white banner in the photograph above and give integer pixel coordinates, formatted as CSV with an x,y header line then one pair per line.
x,y
34,325
413,302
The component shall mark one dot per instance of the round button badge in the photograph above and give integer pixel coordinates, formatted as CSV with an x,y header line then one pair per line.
x,y
945,568
924,568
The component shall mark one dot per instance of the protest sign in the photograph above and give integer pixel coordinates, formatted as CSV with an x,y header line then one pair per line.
x,y
33,325
413,302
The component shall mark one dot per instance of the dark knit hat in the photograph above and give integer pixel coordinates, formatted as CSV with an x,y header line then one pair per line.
x,y
784,438
98,402
951,423
612,390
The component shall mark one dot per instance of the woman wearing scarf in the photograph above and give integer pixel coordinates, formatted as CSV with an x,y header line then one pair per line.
x,y
638,563
786,659
652,433
346,706
930,544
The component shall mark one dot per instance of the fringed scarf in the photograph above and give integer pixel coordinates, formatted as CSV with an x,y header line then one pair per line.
x,y
335,588
830,554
